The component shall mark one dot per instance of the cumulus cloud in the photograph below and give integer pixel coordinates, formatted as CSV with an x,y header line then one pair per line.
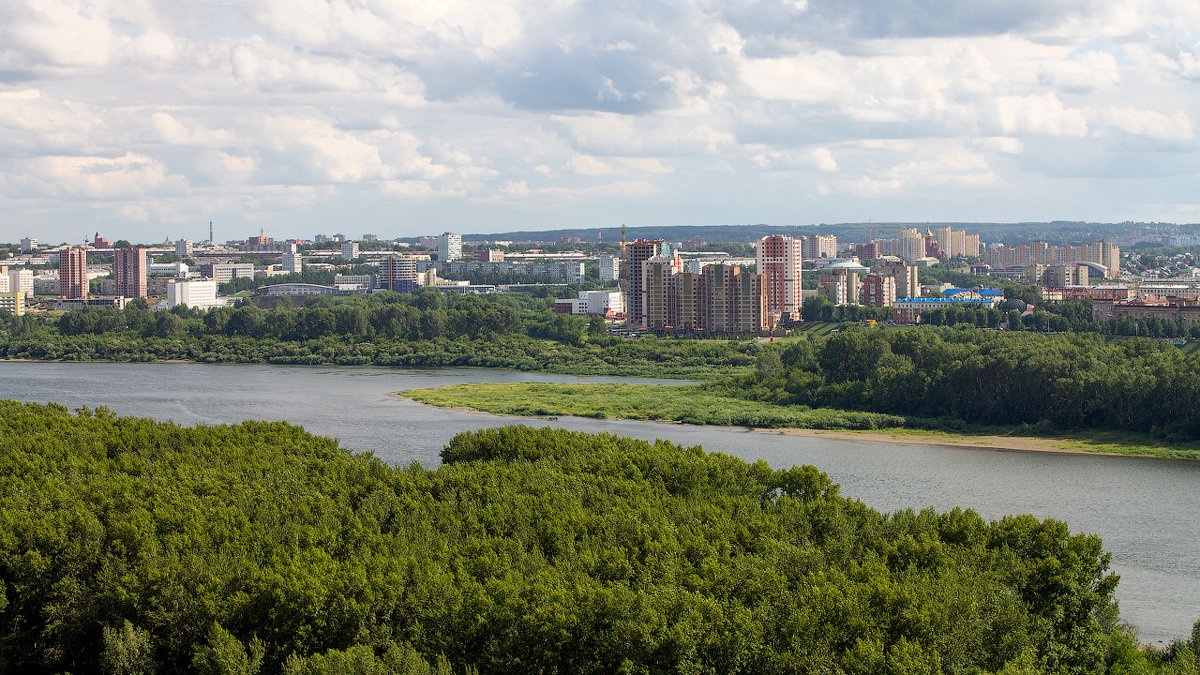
x,y
486,112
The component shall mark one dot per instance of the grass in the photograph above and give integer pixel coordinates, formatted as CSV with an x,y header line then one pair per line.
x,y
689,404
692,404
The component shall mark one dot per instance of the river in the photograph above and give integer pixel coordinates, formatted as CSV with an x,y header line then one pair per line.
x,y
1147,510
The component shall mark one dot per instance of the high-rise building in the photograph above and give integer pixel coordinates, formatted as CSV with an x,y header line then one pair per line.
x,y
72,273
183,247
398,273
129,272
349,250
818,246
20,280
910,246
610,268
878,290
779,261
29,245
449,246
637,253
906,279
658,306
293,263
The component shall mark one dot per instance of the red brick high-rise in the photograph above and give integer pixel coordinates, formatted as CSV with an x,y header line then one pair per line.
x,y
72,273
129,271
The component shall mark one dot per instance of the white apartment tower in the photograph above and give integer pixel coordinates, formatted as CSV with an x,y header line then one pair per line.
x,y
449,246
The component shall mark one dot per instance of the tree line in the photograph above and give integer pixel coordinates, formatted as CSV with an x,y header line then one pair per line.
x,y
426,329
136,546
962,376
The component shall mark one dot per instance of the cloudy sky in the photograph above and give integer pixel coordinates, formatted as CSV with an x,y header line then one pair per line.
x,y
143,119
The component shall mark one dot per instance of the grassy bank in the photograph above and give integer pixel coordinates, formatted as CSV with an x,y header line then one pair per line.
x,y
692,404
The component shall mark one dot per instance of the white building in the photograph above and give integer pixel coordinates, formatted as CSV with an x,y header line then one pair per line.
x,y
20,280
178,269
29,245
449,246
199,293
595,302
349,250
610,268
293,263
183,247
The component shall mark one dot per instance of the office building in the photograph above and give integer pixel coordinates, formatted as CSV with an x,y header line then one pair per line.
x,y
349,250
397,273
779,260
195,293
224,273
449,246
604,303
293,263
488,255
129,272
72,273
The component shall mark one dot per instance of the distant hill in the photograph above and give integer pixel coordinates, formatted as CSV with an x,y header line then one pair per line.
x,y
1054,232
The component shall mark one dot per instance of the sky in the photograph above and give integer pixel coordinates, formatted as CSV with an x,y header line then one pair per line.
x,y
145,120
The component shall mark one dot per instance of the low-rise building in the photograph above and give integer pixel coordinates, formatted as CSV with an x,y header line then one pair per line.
x,y
1186,310
195,293
94,302
908,310
13,302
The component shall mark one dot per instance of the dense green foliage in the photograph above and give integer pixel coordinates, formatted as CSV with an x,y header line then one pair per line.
x,y
985,377
513,330
128,545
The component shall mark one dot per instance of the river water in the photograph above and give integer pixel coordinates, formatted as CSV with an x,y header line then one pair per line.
x,y
1146,510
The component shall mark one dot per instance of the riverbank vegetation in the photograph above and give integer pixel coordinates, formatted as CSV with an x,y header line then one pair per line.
x,y
135,546
1130,396
973,377
427,329
672,403
702,406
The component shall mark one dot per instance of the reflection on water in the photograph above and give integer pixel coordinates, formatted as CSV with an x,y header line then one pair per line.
x,y
1147,510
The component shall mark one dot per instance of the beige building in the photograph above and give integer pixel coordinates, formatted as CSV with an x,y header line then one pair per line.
x,y
13,302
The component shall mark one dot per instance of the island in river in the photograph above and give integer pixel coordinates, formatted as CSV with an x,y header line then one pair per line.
x,y
694,404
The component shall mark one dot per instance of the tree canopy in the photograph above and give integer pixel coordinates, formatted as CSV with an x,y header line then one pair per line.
x,y
128,545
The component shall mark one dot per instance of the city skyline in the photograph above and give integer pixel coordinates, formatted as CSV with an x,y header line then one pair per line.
x,y
147,121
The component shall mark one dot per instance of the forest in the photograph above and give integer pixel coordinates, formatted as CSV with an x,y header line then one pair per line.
x,y
961,377
133,546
